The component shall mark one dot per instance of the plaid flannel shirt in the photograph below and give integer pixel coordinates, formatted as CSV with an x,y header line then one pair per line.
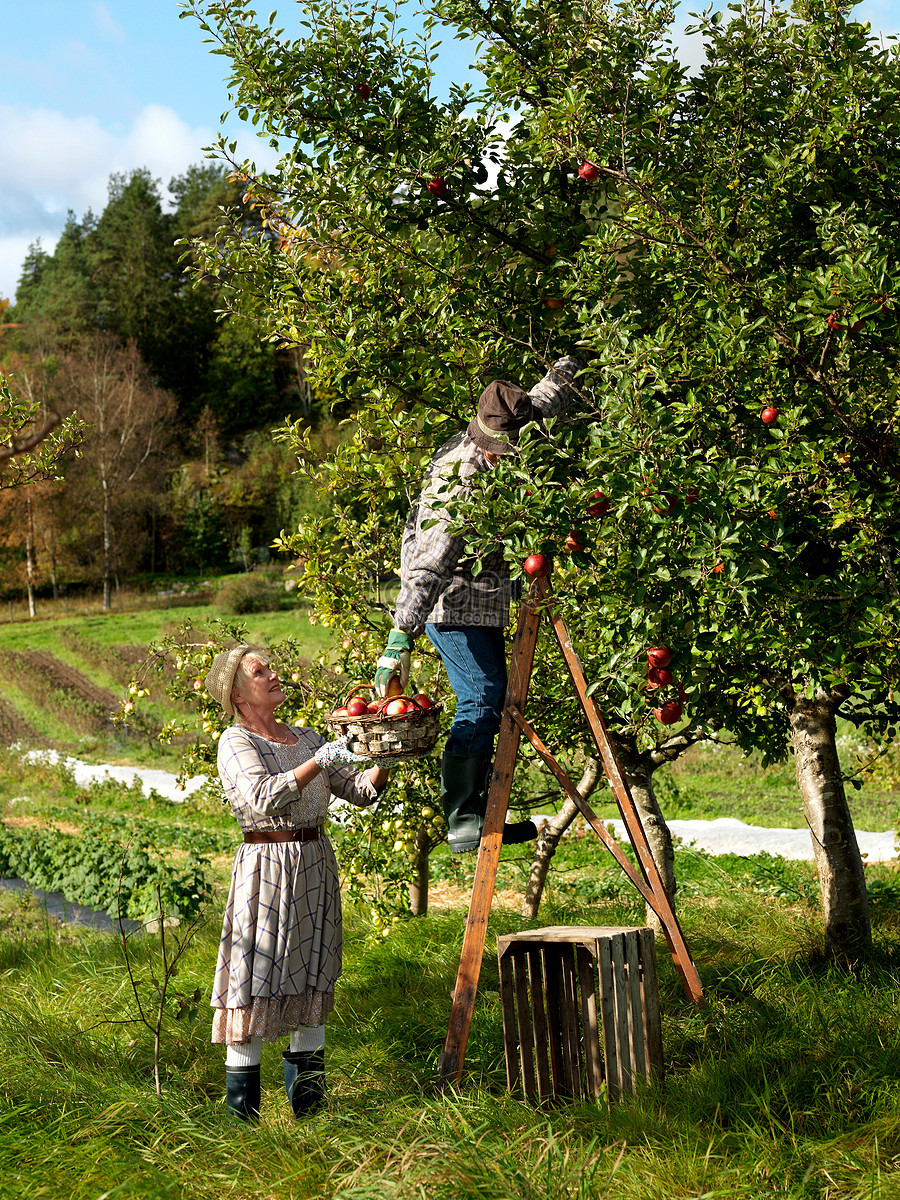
x,y
436,582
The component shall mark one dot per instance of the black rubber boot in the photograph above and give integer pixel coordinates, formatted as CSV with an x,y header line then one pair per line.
x,y
464,787
519,831
243,1092
463,793
304,1080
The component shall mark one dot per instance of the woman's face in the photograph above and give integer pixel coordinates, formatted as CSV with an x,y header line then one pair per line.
x,y
259,686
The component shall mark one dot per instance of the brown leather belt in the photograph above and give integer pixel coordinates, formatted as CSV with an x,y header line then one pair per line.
x,y
284,835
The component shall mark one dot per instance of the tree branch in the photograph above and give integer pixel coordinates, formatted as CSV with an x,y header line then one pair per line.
x,y
15,447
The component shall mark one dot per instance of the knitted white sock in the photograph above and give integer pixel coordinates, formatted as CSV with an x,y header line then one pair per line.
x,y
307,1038
244,1054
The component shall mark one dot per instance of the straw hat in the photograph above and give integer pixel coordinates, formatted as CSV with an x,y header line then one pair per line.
x,y
220,679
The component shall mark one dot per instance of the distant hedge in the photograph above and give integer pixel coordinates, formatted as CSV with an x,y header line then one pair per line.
x,y
247,594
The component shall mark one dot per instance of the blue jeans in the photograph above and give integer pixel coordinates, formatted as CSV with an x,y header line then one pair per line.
x,y
474,657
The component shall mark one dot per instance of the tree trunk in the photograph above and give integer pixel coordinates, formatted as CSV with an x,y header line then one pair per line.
x,y
549,838
107,550
845,904
29,557
638,771
418,889
54,574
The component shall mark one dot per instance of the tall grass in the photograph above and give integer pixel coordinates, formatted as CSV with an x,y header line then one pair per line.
x,y
785,1084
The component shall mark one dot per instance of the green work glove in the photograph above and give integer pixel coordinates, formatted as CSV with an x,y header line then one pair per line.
x,y
394,661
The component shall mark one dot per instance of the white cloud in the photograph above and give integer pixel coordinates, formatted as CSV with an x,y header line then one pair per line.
x,y
12,255
53,163
162,142
53,158
106,24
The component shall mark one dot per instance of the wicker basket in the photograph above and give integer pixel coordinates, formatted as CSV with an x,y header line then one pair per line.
x,y
388,739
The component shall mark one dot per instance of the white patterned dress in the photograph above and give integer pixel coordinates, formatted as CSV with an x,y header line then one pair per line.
x,y
280,952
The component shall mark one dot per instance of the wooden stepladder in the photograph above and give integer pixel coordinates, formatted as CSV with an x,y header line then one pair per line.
x,y
645,877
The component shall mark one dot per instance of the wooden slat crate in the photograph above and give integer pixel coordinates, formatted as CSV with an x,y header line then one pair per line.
x,y
559,988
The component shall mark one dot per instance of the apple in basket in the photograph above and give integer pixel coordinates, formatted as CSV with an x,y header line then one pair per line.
x,y
397,708
423,701
372,706
357,708
340,712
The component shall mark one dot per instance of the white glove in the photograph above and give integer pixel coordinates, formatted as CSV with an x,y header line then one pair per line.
x,y
336,752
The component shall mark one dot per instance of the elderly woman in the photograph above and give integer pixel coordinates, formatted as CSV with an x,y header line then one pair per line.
x,y
280,952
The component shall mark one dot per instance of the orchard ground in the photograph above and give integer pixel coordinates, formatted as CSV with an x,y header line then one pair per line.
x,y
786,1083
723,835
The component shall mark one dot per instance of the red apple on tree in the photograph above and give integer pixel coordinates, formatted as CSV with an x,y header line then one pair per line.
x,y
668,713
589,172
437,186
770,415
659,677
537,566
601,506
364,90
659,656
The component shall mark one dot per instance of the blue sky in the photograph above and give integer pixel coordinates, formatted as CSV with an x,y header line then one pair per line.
x,y
96,86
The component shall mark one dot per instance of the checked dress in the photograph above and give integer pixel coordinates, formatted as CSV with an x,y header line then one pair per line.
x,y
280,951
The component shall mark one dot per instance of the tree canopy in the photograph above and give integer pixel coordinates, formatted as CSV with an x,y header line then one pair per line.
x,y
724,243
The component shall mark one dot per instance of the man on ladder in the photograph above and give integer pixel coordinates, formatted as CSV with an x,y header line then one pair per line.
x,y
462,614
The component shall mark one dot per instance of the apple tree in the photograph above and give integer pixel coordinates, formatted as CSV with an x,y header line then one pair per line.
x,y
722,241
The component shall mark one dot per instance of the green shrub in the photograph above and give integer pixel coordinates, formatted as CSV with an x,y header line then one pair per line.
x,y
96,870
249,593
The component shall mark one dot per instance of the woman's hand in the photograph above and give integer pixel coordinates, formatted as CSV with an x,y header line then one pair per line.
x,y
337,752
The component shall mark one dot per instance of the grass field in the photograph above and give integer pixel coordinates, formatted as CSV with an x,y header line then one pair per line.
x,y
785,1084
64,675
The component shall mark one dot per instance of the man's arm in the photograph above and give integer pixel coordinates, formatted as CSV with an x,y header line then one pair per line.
x,y
554,393
428,561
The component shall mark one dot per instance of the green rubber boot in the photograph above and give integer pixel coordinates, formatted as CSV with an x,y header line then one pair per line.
x,y
464,788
